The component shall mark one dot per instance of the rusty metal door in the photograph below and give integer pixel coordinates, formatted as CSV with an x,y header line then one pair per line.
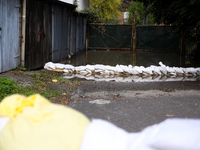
x,y
38,34
9,35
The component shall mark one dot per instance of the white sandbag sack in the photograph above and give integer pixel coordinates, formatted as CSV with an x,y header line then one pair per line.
x,y
49,66
69,67
177,134
102,135
171,134
59,66
80,68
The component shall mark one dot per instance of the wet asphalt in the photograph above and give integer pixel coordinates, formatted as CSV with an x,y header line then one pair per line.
x,y
134,106
131,106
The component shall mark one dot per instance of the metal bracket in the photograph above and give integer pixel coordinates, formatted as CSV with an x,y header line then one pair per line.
x,y
17,6
16,56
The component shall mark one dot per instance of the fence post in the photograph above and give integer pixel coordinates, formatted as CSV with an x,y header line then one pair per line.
x,y
132,38
87,36
133,34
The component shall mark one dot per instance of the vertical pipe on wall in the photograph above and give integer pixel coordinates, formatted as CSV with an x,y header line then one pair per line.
x,y
23,33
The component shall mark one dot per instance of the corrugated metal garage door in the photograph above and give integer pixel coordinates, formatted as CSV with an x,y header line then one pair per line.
x,y
61,32
9,35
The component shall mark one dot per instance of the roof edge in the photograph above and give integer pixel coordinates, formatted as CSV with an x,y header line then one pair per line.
x,y
63,3
77,13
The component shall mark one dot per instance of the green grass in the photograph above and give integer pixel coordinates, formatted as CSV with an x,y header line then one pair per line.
x,y
7,87
41,84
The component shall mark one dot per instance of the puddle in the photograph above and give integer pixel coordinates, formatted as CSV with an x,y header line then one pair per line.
x,y
101,57
100,101
132,78
139,58
112,58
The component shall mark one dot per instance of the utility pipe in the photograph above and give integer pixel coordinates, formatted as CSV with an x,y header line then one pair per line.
x,y
23,33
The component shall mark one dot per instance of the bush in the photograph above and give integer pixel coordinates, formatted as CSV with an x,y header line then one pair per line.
x,y
195,56
93,15
7,87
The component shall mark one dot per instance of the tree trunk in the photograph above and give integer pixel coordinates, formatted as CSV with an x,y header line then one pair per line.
x,y
145,12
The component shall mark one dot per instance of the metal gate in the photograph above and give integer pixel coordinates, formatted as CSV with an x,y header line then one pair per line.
x,y
110,36
156,38
9,35
155,44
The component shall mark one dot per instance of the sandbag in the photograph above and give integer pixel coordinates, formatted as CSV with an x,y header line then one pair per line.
x,y
36,124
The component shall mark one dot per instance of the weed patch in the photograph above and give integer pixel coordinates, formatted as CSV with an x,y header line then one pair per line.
x,y
7,87
40,85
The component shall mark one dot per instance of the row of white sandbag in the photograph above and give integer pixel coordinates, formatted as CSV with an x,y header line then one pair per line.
x,y
131,78
132,70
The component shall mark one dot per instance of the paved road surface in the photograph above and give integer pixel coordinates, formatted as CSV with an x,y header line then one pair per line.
x,y
134,106
131,106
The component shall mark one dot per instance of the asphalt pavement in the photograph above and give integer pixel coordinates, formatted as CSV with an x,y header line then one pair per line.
x,y
131,106
134,106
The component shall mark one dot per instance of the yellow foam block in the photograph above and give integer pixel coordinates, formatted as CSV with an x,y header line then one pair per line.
x,y
37,124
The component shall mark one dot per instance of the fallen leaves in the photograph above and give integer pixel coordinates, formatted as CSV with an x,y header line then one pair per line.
x,y
169,90
64,102
55,80
168,115
64,94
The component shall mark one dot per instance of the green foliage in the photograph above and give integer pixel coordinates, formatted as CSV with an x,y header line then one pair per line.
x,y
93,15
103,11
195,55
22,68
75,2
136,13
19,69
7,87
62,80
181,14
151,19
40,85
124,6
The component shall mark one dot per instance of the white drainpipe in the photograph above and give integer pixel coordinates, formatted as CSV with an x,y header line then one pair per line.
x,y
23,33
